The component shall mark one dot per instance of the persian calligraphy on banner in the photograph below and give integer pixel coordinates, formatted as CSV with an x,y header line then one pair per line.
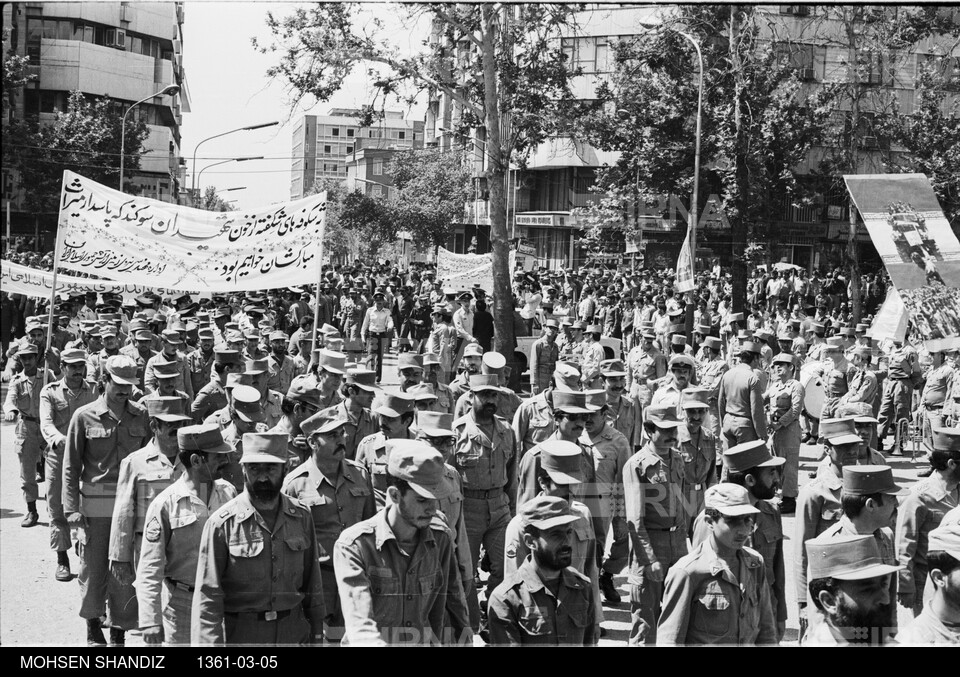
x,y
17,279
146,242
917,246
464,271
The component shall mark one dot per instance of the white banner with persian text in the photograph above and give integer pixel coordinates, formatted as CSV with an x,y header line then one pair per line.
x,y
17,279
146,242
464,271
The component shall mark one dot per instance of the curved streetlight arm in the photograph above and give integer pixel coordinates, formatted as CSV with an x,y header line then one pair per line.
x,y
217,136
168,90
223,162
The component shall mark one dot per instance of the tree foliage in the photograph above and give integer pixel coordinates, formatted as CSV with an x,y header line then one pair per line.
x,y
759,121
213,202
432,188
84,138
501,65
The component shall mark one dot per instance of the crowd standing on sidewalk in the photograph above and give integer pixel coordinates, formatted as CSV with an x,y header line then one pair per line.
x,y
224,474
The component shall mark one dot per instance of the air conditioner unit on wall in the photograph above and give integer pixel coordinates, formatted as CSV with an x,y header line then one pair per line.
x,y
126,14
116,38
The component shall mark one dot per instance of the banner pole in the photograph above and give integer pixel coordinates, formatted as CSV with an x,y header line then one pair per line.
x,y
53,284
316,310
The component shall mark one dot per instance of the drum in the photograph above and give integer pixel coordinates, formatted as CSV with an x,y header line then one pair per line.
x,y
813,392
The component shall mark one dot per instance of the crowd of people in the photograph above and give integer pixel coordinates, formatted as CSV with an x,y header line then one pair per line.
x,y
226,474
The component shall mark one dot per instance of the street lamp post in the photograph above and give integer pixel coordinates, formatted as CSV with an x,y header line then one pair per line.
x,y
195,179
223,162
169,90
693,215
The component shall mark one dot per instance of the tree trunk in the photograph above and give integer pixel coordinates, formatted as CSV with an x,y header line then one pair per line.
x,y
853,266
741,176
499,242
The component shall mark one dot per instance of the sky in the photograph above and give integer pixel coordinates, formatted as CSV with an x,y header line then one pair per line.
x,y
229,88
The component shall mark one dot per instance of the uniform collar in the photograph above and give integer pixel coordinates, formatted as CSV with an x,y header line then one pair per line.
x,y
245,508
533,582
317,477
384,533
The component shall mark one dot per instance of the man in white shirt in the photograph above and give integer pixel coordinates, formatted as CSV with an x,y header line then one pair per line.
x,y
377,323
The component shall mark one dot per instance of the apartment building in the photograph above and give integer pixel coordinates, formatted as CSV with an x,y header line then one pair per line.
x,y
122,51
322,145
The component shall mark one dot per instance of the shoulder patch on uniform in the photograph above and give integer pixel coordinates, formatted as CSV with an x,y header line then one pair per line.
x,y
152,532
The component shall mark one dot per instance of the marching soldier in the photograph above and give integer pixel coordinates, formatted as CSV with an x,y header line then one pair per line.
x,y
543,358
167,571
58,402
784,403
258,576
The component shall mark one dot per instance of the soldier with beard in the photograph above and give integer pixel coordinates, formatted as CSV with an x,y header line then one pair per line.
x,y
472,363
280,367
546,601
258,577
850,586
486,459
338,493
395,414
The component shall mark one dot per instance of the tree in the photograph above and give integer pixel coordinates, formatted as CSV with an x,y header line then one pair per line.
x,y
432,188
501,65
879,44
213,202
758,123
84,138
15,75
357,226
930,136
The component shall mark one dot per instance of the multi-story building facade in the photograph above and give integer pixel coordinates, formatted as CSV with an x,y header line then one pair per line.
x,y
324,144
543,197
121,51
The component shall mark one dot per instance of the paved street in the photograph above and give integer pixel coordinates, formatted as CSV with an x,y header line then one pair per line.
x,y
37,610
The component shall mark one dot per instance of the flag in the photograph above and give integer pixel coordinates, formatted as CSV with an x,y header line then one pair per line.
x,y
684,281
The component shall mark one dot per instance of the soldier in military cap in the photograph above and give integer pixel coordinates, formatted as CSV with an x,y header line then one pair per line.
x,y
143,475
301,401
818,504
397,572
168,377
410,370
472,363
751,466
355,410
486,459
939,622
395,414
101,434
697,448
850,586
213,396
654,483
546,601
172,343
543,357
23,404
922,511
260,536
724,571
869,501
645,364
58,401
682,372
740,399
784,398
167,570
338,493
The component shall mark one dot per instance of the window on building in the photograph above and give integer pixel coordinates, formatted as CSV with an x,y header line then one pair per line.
x,y
350,133
334,131
401,135
378,167
327,149
373,133
875,68
797,57
603,55
586,54
349,149
567,45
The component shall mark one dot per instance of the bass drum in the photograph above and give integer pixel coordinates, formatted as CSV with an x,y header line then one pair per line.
x,y
814,393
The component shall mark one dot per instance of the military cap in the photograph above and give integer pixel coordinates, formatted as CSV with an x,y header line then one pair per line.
x,y
410,361
246,403
365,379
419,465
571,402
695,398
561,460
206,437
265,447
322,422
485,382
435,423
122,369
852,557
304,389
393,405
755,454
730,500
864,480
662,417
546,512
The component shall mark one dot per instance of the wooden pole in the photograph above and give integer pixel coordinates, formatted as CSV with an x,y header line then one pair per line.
x,y
316,310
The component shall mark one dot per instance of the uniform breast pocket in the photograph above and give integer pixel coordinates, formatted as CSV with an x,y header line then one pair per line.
x,y
359,493
183,520
295,547
771,533
469,456
135,433
385,590
713,609
245,549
